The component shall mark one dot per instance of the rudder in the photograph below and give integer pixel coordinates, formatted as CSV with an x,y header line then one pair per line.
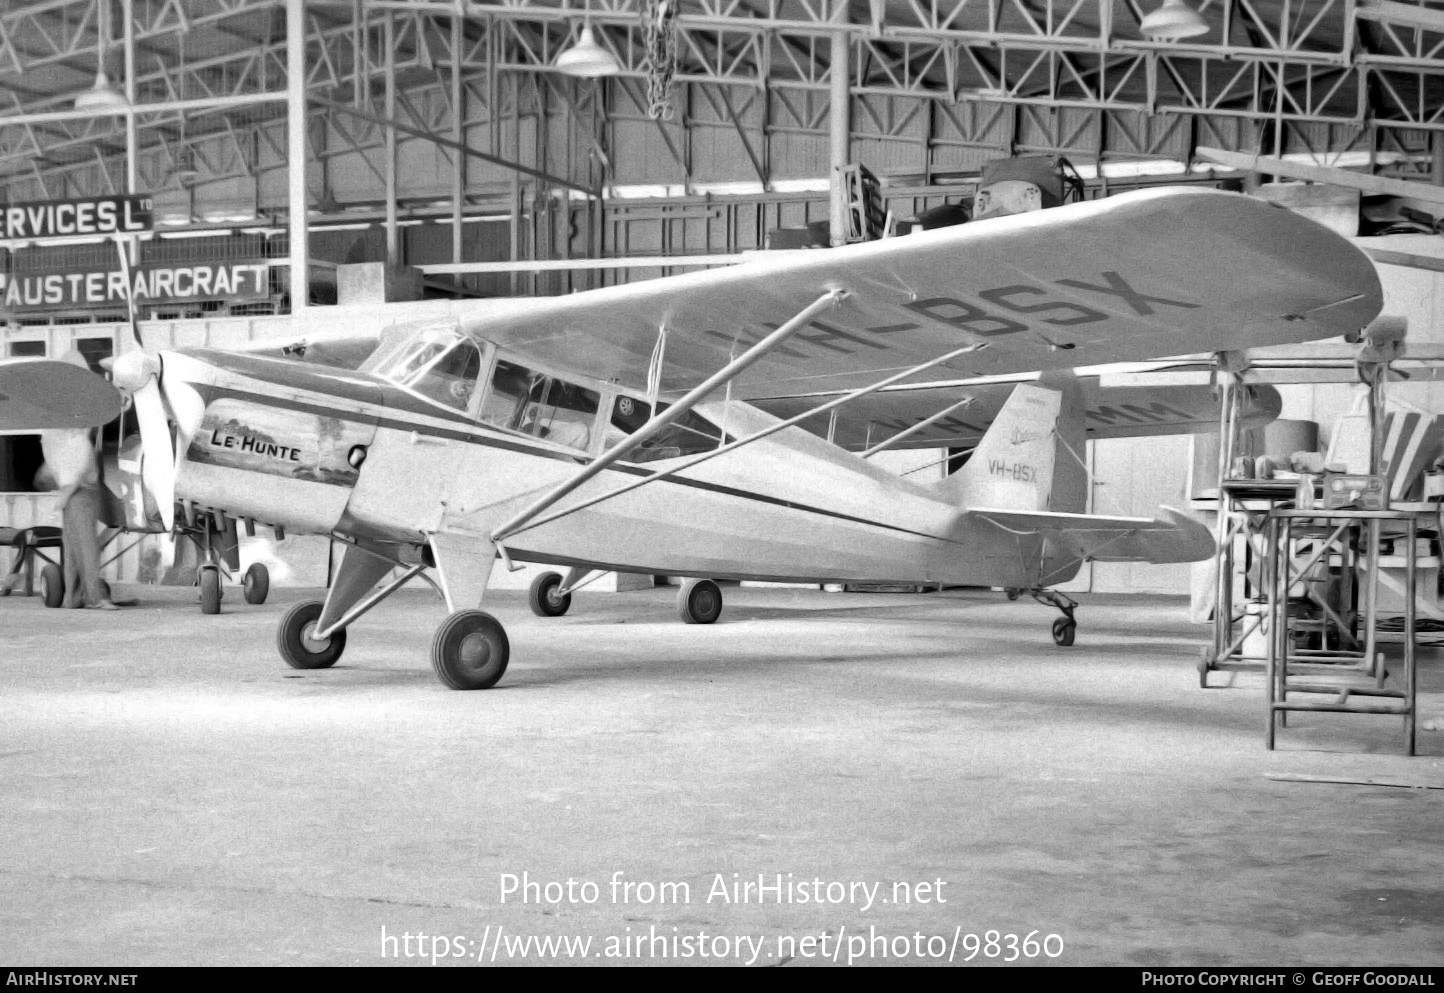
x,y
1028,458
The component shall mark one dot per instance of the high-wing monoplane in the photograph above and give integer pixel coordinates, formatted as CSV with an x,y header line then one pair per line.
x,y
624,428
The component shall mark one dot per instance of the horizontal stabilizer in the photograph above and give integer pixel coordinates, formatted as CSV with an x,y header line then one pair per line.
x,y
45,394
1171,537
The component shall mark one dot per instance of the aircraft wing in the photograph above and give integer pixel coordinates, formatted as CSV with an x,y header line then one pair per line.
x,y
44,394
1109,411
1146,274
1172,537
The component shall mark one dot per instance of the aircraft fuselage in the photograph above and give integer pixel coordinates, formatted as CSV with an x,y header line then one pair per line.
x,y
326,451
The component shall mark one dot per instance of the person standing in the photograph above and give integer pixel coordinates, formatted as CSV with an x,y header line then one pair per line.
x,y
70,457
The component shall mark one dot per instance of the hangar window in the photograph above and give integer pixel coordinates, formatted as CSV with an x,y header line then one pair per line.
x,y
534,403
440,364
20,455
690,434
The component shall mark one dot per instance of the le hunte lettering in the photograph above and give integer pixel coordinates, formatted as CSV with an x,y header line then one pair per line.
x,y
250,443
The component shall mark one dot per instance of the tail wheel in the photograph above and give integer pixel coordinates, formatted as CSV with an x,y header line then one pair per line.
x,y
470,650
296,641
699,601
210,580
543,596
52,586
256,583
1063,630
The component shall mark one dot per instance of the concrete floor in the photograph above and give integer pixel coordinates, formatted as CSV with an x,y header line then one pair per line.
x,y
175,795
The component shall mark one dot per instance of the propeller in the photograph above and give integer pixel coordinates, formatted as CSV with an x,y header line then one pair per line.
x,y
139,374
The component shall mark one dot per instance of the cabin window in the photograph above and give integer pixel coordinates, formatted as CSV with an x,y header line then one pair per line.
x,y
543,406
441,365
690,434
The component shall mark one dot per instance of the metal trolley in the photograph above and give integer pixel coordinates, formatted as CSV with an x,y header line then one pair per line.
x,y
1344,678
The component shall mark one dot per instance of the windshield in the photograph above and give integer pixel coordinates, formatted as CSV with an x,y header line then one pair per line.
x,y
441,364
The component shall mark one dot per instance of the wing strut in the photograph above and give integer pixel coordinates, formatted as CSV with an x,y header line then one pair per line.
x,y
701,457
925,422
724,375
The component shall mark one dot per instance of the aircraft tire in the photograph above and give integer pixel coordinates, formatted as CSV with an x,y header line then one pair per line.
x,y
543,599
1063,631
52,586
699,601
470,650
299,651
210,580
256,583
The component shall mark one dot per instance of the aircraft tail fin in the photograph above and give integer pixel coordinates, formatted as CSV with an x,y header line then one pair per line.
x,y
1029,459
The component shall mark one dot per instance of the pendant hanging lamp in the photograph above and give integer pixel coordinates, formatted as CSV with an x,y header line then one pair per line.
x,y
1174,19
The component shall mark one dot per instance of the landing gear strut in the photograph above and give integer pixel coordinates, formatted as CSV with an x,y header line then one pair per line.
x,y
1065,627
470,649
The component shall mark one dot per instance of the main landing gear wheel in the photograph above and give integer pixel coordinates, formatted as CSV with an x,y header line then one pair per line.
x,y
1063,631
543,596
699,601
470,650
52,586
210,582
296,641
256,583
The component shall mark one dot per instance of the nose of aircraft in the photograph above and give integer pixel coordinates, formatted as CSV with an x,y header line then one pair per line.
x,y
131,370
139,375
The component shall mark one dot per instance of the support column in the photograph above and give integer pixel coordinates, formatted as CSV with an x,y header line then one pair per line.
x,y
296,151
393,230
839,124
516,205
458,135
132,137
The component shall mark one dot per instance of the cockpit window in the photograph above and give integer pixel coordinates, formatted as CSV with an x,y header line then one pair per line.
x,y
440,364
534,403
689,434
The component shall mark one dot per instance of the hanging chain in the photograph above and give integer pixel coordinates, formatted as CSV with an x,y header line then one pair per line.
x,y
659,23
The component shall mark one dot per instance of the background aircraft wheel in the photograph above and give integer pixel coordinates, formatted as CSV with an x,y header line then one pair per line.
x,y
699,601
256,583
52,586
470,650
298,647
543,597
1012,593
1063,631
210,591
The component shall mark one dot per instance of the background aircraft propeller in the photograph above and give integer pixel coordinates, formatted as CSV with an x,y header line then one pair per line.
x,y
139,374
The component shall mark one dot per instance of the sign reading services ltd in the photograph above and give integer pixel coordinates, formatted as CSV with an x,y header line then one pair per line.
x,y
71,218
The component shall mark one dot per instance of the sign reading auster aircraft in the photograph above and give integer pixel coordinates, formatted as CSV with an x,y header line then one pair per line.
x,y
71,218
151,284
